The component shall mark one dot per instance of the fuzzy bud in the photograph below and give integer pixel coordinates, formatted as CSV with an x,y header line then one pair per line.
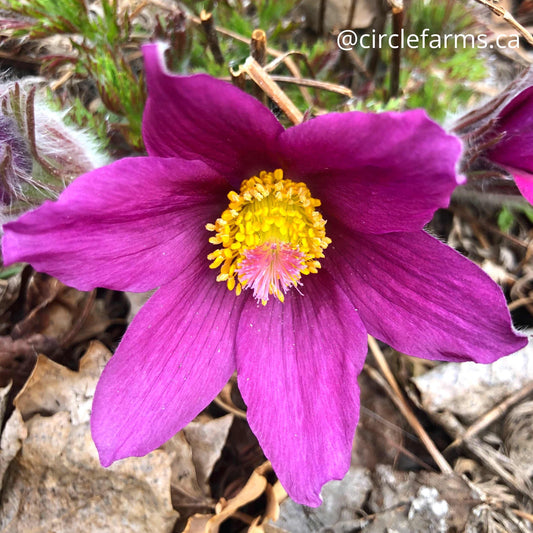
x,y
498,140
39,154
15,160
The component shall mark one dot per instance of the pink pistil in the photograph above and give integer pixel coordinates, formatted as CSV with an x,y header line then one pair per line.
x,y
271,268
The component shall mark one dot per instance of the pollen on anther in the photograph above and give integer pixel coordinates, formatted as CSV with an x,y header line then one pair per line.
x,y
270,235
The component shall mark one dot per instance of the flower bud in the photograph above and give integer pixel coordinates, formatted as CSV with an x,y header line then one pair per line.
x,y
39,154
498,140
15,160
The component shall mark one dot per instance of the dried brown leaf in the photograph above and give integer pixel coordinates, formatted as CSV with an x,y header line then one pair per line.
x,y
4,392
198,523
137,300
275,494
56,483
17,357
255,486
193,453
207,438
61,313
256,527
11,441
183,481
9,292
52,388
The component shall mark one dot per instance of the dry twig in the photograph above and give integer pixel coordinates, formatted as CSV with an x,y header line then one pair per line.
x,y
289,63
206,19
520,303
397,25
495,461
494,414
502,12
271,88
258,46
224,401
322,85
399,399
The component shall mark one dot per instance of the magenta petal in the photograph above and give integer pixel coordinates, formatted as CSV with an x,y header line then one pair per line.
x,y
515,122
422,297
375,172
131,225
524,181
176,356
200,117
297,365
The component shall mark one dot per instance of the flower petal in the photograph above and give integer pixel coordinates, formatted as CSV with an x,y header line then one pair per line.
x,y
422,297
524,181
515,121
11,136
176,356
297,365
375,172
131,225
200,117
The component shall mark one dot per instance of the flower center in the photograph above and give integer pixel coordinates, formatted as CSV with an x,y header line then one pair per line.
x,y
270,234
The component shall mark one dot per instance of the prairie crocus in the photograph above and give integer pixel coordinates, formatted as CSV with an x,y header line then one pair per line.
x,y
499,135
15,159
38,152
275,251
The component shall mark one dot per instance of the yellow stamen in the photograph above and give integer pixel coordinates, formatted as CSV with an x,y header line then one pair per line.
x,y
271,234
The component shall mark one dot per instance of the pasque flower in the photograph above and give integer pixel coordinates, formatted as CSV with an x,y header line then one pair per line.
x,y
15,159
39,153
275,252
499,135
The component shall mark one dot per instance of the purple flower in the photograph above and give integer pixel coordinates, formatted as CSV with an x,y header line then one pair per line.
x,y
514,151
39,153
500,134
15,159
285,298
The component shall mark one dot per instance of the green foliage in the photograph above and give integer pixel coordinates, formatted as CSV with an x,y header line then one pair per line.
x,y
101,53
528,211
241,18
71,17
507,215
100,34
443,75
121,91
13,270
441,17
79,115
376,106
505,219
51,17
438,78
